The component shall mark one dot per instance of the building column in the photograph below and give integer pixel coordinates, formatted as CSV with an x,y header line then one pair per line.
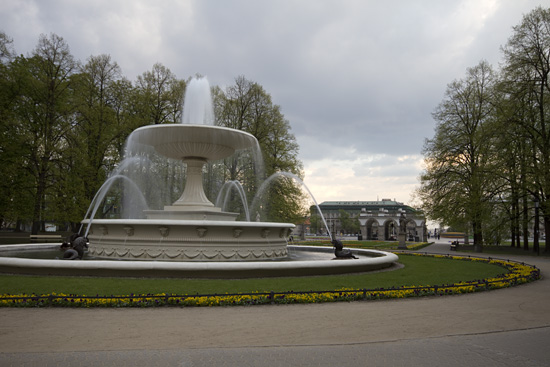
x,y
381,232
419,232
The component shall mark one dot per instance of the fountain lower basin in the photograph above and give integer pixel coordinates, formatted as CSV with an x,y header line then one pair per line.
x,y
187,240
321,263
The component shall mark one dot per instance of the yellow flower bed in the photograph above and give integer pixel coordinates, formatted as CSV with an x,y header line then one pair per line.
x,y
517,274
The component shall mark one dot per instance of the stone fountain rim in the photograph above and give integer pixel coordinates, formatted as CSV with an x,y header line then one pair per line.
x,y
217,270
204,126
180,126
186,222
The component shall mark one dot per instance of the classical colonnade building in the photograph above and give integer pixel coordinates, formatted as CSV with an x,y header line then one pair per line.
x,y
379,220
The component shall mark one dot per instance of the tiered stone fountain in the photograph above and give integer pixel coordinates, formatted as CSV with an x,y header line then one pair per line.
x,y
192,228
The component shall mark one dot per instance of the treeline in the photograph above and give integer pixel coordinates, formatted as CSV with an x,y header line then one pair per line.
x,y
488,165
65,123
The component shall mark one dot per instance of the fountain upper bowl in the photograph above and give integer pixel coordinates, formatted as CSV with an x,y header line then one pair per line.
x,y
181,141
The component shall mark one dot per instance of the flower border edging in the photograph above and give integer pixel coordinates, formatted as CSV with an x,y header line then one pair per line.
x,y
518,273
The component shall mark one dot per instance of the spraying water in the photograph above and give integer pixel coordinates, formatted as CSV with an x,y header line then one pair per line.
x,y
226,189
103,191
104,188
292,176
197,107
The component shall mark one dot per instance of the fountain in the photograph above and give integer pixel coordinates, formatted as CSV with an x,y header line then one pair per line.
x,y
192,228
192,237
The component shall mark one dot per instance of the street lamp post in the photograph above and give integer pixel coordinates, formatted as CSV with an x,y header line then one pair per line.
x,y
536,229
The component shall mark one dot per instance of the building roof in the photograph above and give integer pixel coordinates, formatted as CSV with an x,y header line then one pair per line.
x,y
382,202
368,205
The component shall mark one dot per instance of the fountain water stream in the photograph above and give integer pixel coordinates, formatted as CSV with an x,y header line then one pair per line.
x,y
294,177
103,190
224,195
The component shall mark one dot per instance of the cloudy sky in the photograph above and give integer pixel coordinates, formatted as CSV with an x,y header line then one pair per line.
x,y
357,80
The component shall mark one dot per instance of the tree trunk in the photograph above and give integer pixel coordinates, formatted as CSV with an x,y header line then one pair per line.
x,y
516,224
525,224
546,218
478,237
38,200
36,219
74,227
513,233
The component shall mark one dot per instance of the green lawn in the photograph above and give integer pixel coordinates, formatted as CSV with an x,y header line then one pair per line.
x,y
418,270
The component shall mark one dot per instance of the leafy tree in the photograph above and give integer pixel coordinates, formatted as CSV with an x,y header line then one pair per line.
x,y
455,187
159,96
15,201
280,153
244,106
348,223
527,77
123,95
6,47
97,127
316,222
513,159
44,115
280,147
247,106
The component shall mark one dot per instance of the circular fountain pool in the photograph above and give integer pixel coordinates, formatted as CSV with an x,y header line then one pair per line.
x,y
302,261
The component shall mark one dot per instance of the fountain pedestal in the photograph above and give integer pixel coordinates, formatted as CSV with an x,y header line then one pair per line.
x,y
193,203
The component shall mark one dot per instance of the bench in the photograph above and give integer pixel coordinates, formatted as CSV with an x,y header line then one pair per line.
x,y
454,245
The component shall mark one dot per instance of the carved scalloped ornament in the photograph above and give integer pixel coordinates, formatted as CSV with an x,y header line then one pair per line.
x,y
243,254
191,254
137,253
228,254
154,253
174,254
122,252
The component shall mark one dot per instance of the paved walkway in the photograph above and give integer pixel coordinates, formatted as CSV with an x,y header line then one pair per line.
x,y
507,327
